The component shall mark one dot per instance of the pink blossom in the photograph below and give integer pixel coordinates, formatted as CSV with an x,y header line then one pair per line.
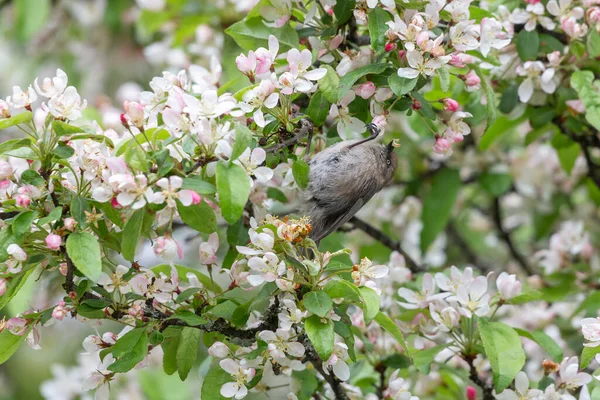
x,y
442,146
3,286
450,104
17,326
53,241
70,223
167,248
471,391
366,90
135,112
23,200
60,311
471,79
208,249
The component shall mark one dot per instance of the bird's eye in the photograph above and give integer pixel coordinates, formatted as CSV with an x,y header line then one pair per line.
x,y
388,161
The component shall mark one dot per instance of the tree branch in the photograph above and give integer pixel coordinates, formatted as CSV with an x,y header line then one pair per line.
x,y
8,214
505,236
311,355
487,389
471,256
387,242
306,128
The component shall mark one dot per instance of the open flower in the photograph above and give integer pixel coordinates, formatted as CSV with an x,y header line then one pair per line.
x,y
265,269
280,345
536,77
492,35
337,361
348,127
22,99
115,280
418,299
251,160
241,375
167,248
590,328
208,249
522,391
52,87
420,66
263,95
67,105
366,271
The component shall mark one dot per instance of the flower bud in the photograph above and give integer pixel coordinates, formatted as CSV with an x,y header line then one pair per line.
x,y
17,326
471,79
196,198
219,350
450,104
508,286
442,146
3,285
70,223
23,200
16,252
366,90
115,203
60,312
63,267
135,112
416,105
166,248
471,393
53,241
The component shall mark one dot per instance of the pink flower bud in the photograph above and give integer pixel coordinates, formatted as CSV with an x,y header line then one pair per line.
x,y
124,120
245,64
366,90
23,200
402,54
196,198
53,241
592,15
167,248
3,285
60,311
450,104
471,392
70,223
219,350
442,146
135,112
471,79
416,105
115,203
390,46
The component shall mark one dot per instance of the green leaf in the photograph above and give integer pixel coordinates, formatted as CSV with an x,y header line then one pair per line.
x,y
253,33
63,151
23,222
577,48
318,303
343,10
390,326
243,139
496,183
545,342
189,318
233,186
13,144
32,178
321,335
127,342
377,28
131,234
528,45
341,289
490,100
9,344
504,350
351,77
83,248
198,185
22,118
424,358
63,129
169,347
587,89
212,383
201,216
438,203
426,108
567,156
329,84
342,328
307,384
78,207
132,352
187,351
593,43
14,285
587,355
301,172
401,86
444,74
318,108
509,99
371,303
499,128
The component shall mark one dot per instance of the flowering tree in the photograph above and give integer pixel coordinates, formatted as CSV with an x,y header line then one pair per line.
x,y
276,313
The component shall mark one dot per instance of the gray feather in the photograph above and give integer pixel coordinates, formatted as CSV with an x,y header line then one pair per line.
x,y
342,180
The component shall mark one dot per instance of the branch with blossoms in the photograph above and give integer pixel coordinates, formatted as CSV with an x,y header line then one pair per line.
x,y
79,201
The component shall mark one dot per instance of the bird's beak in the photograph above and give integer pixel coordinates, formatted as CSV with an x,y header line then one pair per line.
x,y
392,145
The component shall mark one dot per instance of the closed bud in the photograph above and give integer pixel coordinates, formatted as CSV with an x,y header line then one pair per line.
x,y
390,46
471,393
416,105
450,104
53,241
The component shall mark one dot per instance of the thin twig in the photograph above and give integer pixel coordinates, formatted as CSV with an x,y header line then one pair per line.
x,y
8,214
471,256
488,393
306,127
387,242
505,236
311,355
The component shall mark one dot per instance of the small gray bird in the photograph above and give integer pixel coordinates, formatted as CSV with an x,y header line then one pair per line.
x,y
343,178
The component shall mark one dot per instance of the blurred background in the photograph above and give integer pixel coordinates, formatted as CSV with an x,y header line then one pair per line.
x,y
110,50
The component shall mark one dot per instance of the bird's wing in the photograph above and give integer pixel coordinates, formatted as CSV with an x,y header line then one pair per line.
x,y
334,223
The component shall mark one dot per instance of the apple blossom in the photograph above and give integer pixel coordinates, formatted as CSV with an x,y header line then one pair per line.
x,y
208,249
53,241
